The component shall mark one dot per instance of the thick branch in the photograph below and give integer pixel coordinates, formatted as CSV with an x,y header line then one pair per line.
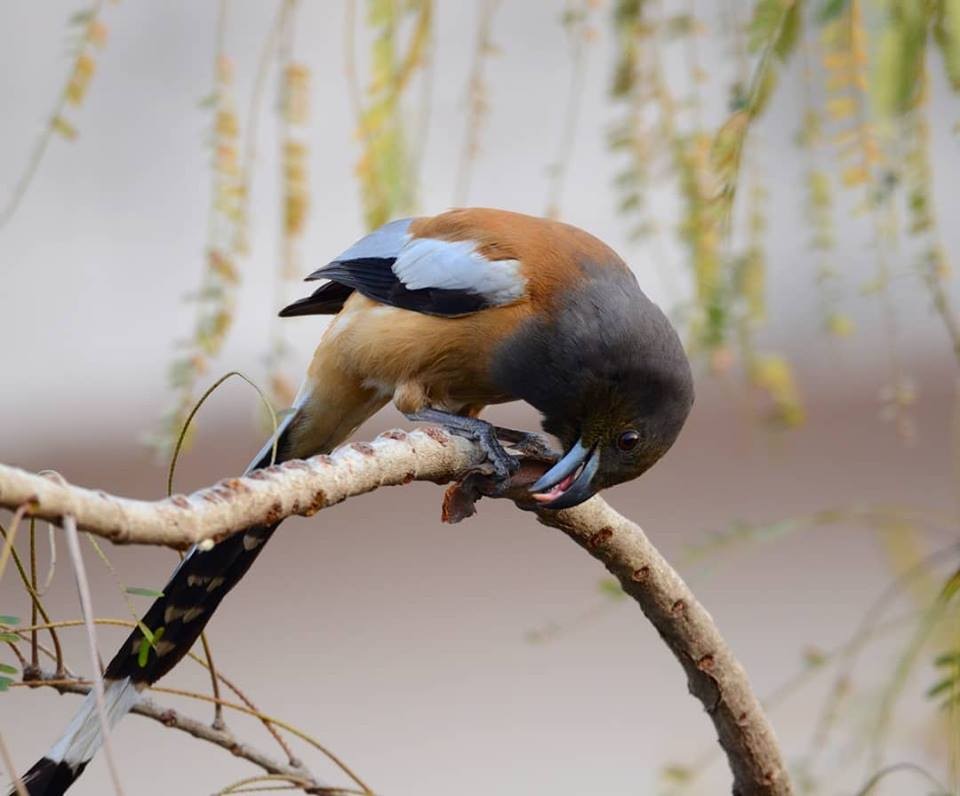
x,y
715,677
263,497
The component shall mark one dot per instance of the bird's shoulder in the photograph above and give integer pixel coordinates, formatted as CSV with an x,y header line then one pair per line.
x,y
538,244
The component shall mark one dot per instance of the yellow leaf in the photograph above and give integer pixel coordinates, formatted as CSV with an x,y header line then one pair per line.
x,y
64,128
97,34
840,325
841,107
854,175
80,78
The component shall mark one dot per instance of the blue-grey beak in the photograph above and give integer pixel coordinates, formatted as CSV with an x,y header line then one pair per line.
x,y
558,488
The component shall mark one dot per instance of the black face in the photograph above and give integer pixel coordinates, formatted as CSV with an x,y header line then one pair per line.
x,y
615,439
611,379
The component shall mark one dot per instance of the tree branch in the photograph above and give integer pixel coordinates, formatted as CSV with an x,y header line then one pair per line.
x,y
715,677
198,729
263,497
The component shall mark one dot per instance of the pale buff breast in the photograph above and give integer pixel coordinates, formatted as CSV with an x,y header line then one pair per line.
x,y
417,359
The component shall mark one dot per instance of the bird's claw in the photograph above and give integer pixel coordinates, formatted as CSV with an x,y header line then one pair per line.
x,y
484,434
528,444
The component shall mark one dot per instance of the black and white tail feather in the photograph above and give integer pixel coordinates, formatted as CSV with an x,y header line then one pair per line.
x,y
175,620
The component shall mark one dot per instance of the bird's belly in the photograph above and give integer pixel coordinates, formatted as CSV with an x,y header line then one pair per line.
x,y
419,359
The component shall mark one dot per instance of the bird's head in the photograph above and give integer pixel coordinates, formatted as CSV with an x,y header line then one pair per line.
x,y
616,388
621,431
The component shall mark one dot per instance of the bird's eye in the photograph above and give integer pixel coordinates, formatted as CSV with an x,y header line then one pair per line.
x,y
628,440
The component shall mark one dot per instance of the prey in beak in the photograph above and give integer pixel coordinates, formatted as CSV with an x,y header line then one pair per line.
x,y
570,481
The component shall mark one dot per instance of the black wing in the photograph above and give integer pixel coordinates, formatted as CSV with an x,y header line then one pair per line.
x,y
374,278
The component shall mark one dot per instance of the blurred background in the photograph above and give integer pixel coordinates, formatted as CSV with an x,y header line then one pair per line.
x,y
778,174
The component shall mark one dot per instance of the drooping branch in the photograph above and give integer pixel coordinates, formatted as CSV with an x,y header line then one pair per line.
x,y
198,729
715,676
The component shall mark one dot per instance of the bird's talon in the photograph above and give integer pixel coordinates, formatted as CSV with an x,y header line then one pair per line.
x,y
529,445
480,431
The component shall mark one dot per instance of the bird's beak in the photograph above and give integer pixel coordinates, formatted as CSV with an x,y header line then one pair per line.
x,y
562,486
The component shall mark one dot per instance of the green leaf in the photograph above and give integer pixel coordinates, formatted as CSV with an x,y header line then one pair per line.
x,y
143,652
941,688
610,587
948,659
831,9
81,17
7,668
141,592
209,101
9,620
149,640
814,657
951,587
946,33
897,74
5,683
764,23
790,30
676,773
13,638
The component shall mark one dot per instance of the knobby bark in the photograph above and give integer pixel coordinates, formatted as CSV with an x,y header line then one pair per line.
x,y
714,675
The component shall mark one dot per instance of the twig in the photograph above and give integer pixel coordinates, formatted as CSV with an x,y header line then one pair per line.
x,y
476,92
35,598
86,607
293,783
716,678
885,772
11,536
221,677
11,771
303,736
291,757
863,633
52,568
171,471
34,614
49,128
238,785
267,51
218,723
577,22
17,654
198,729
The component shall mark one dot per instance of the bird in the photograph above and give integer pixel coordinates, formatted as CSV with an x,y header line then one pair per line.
x,y
442,315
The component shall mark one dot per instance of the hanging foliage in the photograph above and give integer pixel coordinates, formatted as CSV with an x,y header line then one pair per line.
x,y
385,168
215,299
478,102
293,118
88,35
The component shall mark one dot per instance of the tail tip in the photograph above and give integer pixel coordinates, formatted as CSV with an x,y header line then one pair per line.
x,y
49,778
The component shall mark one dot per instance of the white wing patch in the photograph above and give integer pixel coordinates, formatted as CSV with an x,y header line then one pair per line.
x,y
456,265
446,265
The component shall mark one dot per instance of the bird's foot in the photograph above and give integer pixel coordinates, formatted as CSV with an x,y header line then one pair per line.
x,y
528,444
480,431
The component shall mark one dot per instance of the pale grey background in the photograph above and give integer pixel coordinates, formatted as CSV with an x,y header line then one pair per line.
x,y
396,640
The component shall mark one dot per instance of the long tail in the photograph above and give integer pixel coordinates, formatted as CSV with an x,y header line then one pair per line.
x,y
175,621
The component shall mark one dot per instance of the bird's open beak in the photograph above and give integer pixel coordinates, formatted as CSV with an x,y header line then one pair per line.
x,y
569,482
